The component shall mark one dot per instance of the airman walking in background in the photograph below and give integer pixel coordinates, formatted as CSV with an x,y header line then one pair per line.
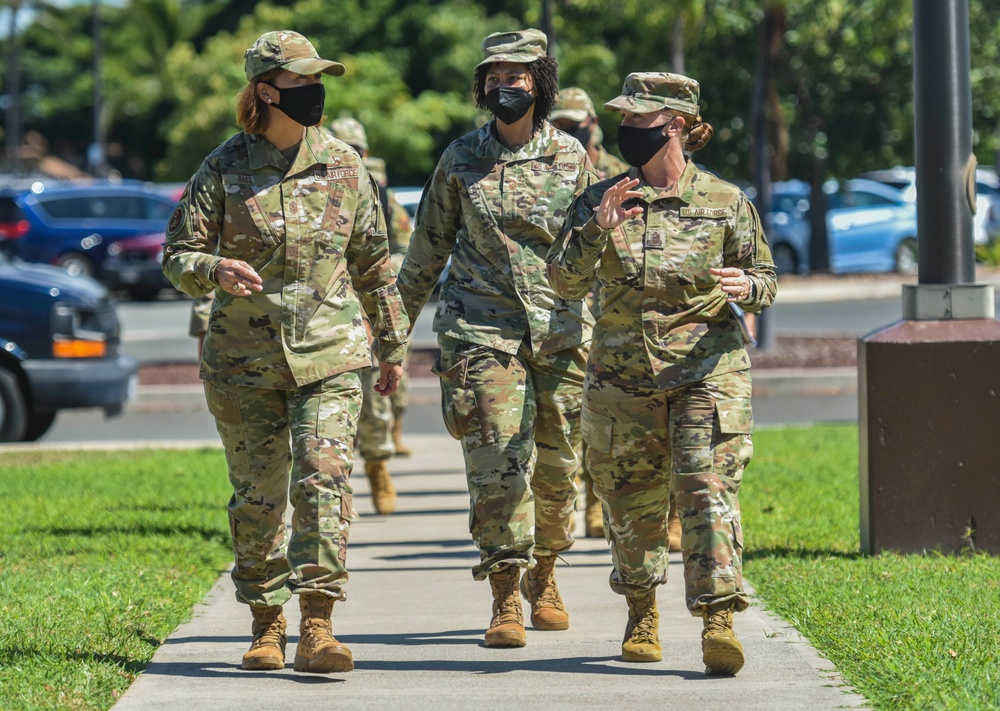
x,y
380,427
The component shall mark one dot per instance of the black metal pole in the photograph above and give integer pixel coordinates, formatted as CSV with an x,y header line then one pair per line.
x,y
942,90
13,93
548,26
762,158
98,162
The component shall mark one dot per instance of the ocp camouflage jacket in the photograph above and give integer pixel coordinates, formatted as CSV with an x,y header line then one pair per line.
x,y
315,234
665,320
496,213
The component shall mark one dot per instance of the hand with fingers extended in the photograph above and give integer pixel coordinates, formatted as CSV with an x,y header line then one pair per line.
x,y
611,212
237,277
734,282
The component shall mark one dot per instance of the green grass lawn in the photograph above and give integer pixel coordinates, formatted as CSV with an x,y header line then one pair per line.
x,y
909,632
102,555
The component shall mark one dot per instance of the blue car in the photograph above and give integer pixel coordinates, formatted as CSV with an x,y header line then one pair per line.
x,y
871,227
72,225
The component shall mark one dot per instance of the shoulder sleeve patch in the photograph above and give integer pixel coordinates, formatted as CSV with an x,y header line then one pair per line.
x,y
178,218
712,213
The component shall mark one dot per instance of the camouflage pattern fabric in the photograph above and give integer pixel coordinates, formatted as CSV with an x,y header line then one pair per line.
x,y
374,442
314,232
201,307
517,417
668,384
607,165
496,213
696,438
284,49
665,321
256,426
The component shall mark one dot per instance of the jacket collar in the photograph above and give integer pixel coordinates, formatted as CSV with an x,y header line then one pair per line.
x,y
486,145
683,189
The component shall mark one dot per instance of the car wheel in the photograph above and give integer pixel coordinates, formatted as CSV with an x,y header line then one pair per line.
x,y
76,264
39,425
785,261
13,411
906,256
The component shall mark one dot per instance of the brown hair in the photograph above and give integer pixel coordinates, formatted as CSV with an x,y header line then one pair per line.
x,y
696,133
545,76
251,110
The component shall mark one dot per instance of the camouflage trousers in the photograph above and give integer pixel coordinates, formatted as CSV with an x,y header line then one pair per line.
x,y
289,445
696,438
379,414
517,417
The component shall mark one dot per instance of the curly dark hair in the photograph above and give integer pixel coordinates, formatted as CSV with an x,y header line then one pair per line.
x,y
545,76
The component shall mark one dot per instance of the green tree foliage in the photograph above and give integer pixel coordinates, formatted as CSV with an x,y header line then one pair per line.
x,y
842,79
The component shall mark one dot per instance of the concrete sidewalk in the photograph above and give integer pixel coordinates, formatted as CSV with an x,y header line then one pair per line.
x,y
415,621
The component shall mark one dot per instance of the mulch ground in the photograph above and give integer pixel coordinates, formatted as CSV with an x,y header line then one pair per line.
x,y
788,352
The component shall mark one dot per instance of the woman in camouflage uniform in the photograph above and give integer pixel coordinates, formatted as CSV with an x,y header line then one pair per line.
x,y
282,222
512,351
667,393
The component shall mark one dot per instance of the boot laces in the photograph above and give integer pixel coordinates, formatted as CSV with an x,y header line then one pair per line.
x,y
718,621
267,633
645,624
507,603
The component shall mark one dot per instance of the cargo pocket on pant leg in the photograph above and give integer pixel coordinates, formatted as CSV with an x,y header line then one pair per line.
x,y
458,401
597,429
224,406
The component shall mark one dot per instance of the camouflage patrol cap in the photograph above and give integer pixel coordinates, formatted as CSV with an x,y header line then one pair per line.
x,y
284,49
350,131
573,105
645,92
522,46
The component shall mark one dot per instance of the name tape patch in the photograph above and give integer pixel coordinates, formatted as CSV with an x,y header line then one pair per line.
x,y
713,213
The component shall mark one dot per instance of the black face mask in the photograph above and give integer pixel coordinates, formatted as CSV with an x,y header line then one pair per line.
x,y
509,104
302,104
639,145
582,134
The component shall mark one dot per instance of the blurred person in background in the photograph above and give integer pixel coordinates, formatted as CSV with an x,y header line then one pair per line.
x,y
574,113
282,222
512,352
667,392
380,427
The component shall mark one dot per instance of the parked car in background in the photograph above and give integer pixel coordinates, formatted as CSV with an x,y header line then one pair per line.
x,y
871,227
987,193
135,265
59,339
72,225
787,226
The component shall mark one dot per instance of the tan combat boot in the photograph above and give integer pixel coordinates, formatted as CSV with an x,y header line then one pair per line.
x,y
507,626
397,439
674,526
720,650
383,493
267,650
318,650
642,632
538,585
593,516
